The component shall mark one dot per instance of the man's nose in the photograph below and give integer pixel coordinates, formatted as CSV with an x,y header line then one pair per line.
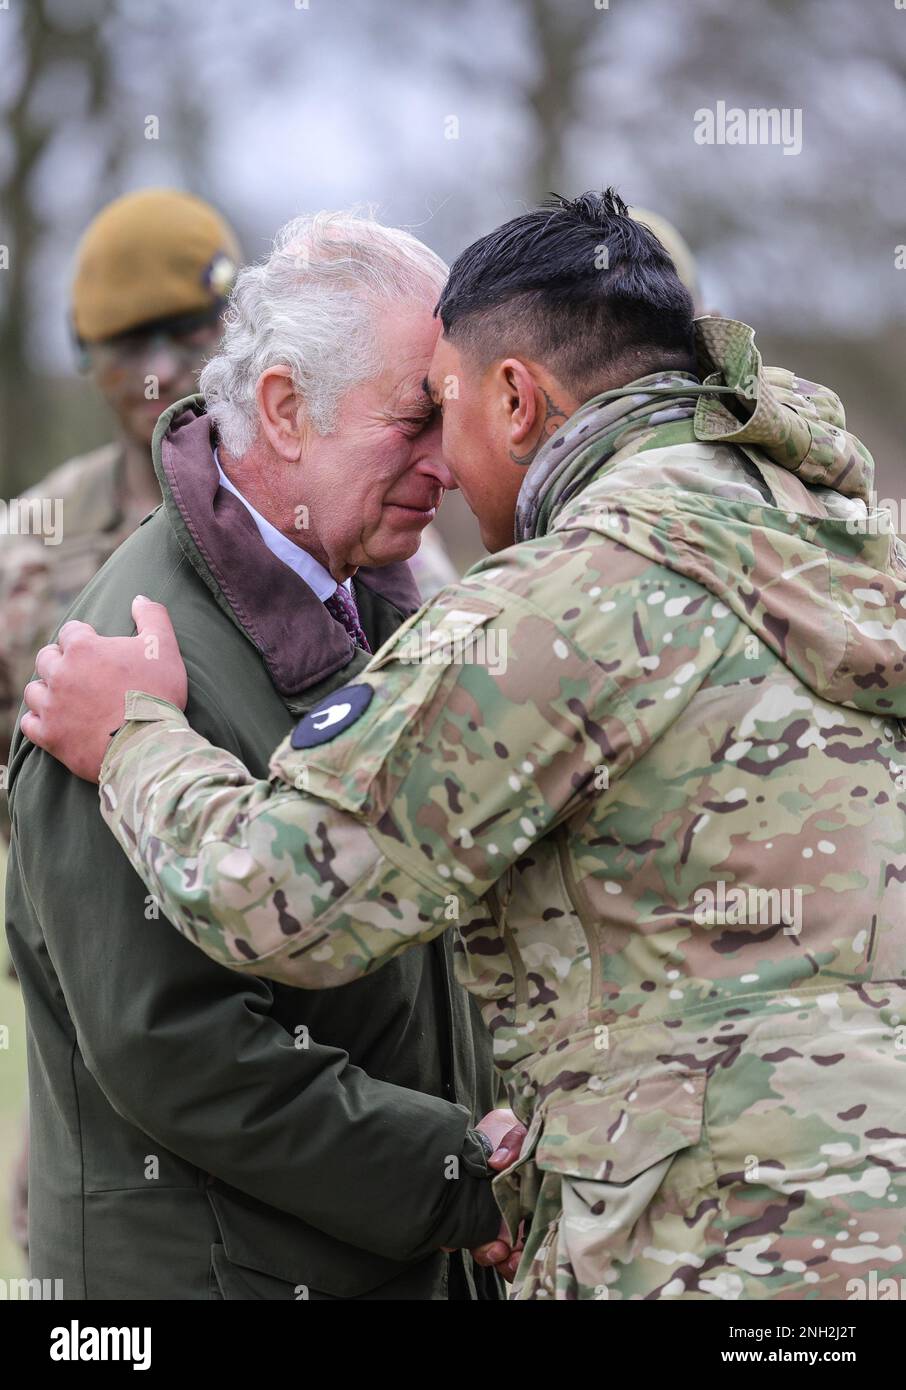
x,y
429,458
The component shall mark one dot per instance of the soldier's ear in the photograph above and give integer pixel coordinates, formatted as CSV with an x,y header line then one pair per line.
x,y
536,405
519,399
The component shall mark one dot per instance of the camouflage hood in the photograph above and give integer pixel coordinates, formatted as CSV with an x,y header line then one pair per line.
x,y
747,482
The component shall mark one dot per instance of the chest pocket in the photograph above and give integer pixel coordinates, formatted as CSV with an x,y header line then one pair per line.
x,y
411,675
615,1136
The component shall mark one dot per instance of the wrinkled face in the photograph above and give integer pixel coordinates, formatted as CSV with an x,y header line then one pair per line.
x,y
476,414
141,374
373,485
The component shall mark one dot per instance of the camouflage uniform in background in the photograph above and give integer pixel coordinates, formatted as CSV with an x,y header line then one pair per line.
x,y
669,827
39,582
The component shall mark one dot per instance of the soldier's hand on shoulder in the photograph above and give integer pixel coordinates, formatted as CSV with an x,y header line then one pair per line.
x,y
78,701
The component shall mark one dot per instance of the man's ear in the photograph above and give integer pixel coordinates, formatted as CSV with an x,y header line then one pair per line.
x,y
537,405
519,400
281,413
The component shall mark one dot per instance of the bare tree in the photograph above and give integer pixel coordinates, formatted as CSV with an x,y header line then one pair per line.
x,y
563,38
41,44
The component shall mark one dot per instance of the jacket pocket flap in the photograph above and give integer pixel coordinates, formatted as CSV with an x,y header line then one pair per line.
x,y
615,1136
439,634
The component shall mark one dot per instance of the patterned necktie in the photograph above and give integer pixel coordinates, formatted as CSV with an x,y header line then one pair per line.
x,y
341,605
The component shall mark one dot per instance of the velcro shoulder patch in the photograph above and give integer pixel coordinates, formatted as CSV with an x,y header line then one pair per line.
x,y
332,716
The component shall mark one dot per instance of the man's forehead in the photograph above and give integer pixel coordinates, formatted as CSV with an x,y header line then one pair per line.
x,y
406,347
443,361
408,385
403,382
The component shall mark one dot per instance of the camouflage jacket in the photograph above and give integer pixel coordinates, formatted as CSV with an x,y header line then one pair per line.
x,y
41,576
650,763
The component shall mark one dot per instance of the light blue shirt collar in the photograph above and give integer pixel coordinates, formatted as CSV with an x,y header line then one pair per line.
x,y
318,579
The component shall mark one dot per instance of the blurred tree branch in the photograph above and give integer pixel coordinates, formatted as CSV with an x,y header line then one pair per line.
x,y
41,44
562,40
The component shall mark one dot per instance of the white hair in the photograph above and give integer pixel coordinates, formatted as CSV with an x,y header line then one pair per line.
x,y
310,307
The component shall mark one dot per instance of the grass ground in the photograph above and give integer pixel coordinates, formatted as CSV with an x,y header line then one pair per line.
x,y
12,1099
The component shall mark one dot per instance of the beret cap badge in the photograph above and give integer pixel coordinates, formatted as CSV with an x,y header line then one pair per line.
x,y
220,275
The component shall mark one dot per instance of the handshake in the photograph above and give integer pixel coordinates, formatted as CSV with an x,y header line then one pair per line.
x,y
506,1134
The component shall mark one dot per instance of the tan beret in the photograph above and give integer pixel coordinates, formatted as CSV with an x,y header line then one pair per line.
x,y
674,244
154,254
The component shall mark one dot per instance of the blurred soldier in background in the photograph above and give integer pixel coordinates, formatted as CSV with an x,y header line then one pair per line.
x,y
152,275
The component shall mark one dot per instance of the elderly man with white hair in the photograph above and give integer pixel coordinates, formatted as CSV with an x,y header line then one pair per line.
x,y
196,1134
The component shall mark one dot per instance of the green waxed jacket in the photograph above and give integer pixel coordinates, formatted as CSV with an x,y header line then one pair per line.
x,y
195,1134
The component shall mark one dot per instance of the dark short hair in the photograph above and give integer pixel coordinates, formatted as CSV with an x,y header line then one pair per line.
x,y
576,285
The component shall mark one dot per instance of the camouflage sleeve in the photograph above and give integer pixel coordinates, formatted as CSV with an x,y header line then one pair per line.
x,y
484,722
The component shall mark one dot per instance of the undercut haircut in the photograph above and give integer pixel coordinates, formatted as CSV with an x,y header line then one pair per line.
x,y
578,286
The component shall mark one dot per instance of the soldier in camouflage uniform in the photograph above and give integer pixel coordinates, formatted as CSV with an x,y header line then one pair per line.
x,y
649,760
